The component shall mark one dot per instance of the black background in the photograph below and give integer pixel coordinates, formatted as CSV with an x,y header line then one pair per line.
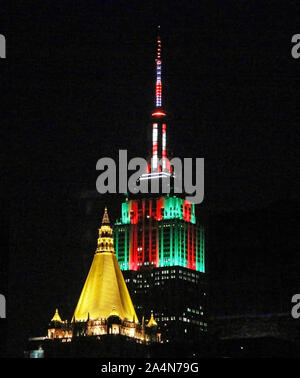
x,y
82,83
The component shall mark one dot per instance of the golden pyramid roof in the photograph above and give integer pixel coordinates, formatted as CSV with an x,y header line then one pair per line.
x,y
56,317
105,291
152,321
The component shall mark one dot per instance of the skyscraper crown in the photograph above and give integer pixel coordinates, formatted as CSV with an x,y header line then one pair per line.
x,y
105,240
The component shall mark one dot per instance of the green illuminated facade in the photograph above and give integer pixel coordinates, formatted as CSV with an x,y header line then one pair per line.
x,y
159,232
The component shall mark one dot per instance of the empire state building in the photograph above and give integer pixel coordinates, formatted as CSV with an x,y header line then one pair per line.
x,y
160,245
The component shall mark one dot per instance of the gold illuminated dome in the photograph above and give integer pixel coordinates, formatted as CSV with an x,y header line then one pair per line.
x,y
105,291
56,317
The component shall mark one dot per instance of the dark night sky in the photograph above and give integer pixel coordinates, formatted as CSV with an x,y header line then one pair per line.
x,y
82,76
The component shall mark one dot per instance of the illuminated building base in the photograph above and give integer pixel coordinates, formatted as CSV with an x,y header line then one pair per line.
x,y
113,325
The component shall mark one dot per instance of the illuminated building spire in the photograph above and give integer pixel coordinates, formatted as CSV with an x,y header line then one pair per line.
x,y
158,85
105,219
159,166
159,128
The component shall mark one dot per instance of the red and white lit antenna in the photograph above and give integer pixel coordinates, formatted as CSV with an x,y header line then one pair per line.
x,y
159,128
160,165
158,86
